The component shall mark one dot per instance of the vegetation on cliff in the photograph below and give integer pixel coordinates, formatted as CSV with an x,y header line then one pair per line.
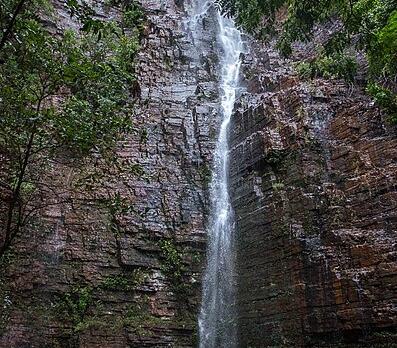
x,y
367,25
59,89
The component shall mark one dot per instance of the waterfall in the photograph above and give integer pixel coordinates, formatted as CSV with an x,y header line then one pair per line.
x,y
216,319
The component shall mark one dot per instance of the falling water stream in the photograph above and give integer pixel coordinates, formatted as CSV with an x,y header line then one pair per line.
x,y
216,319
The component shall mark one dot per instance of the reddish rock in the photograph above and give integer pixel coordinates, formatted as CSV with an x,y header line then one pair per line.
x,y
313,188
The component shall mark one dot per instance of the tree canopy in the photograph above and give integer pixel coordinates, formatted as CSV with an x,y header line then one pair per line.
x,y
367,25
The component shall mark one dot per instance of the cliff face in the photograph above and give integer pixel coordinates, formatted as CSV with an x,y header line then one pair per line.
x,y
114,257
313,175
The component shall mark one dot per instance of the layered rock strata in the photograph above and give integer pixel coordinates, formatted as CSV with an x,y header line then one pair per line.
x,y
313,175
114,257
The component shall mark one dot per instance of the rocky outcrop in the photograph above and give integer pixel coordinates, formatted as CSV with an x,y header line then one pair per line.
x,y
114,256
313,173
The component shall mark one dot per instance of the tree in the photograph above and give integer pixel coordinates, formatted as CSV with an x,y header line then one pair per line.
x,y
69,92
368,25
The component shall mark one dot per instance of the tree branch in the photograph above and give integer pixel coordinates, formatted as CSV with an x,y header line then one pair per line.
x,y
11,24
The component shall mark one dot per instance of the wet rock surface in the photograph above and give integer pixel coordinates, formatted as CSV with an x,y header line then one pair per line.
x,y
96,267
313,176
313,183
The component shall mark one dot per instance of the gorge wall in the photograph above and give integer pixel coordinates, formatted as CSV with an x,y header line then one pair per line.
x,y
115,256
313,171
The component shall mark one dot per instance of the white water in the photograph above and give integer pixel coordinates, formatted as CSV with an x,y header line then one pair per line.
x,y
217,314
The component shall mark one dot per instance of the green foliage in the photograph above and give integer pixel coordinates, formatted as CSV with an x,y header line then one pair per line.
x,y
205,174
124,282
252,13
117,206
337,66
173,267
133,17
74,305
144,136
172,264
383,57
140,321
364,18
368,25
70,91
385,98
118,282
277,158
137,170
278,186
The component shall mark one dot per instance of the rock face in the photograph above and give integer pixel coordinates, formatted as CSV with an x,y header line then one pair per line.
x,y
313,175
114,257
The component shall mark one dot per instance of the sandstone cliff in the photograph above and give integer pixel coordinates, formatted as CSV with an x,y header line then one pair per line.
x,y
96,267
313,173
313,184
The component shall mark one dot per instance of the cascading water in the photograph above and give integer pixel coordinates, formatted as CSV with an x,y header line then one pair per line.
x,y
216,320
